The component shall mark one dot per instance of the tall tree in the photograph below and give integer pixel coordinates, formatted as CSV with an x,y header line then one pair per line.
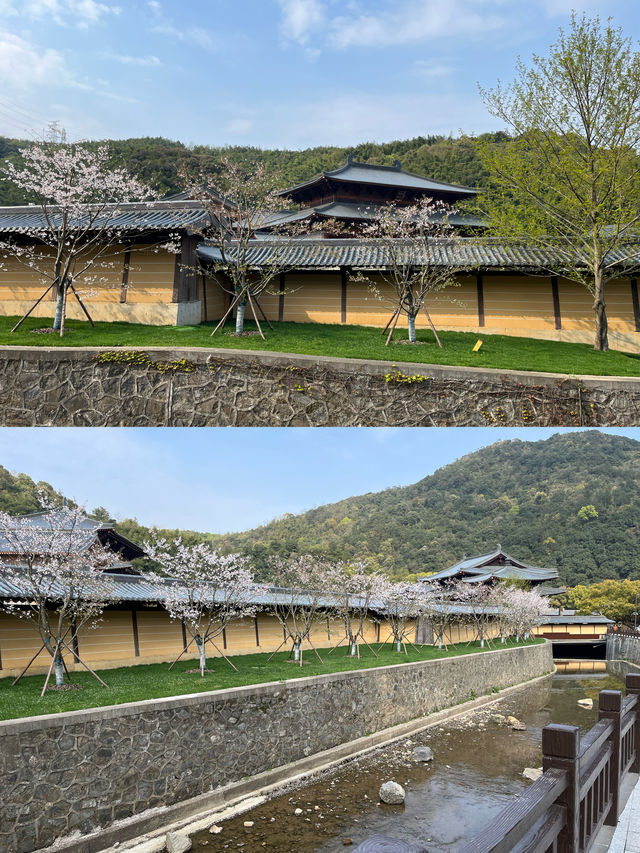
x,y
248,205
56,566
73,238
568,181
413,243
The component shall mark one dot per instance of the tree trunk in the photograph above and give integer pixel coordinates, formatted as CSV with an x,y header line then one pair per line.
x,y
57,320
59,669
203,654
240,317
354,647
411,324
296,649
398,645
602,328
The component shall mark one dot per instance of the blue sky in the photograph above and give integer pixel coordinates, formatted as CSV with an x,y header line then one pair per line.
x,y
219,480
270,73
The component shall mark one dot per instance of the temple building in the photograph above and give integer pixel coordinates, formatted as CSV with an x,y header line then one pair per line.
x,y
500,289
498,566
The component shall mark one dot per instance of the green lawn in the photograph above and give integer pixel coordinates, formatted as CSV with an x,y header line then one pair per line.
x,y
151,681
497,351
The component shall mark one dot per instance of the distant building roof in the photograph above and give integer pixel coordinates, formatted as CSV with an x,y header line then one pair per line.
x,y
388,176
495,565
102,531
173,214
356,211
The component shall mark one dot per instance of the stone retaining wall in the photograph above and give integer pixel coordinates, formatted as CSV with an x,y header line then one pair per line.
x,y
76,772
65,386
621,646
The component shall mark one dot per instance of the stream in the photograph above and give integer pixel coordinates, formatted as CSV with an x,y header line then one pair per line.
x,y
476,772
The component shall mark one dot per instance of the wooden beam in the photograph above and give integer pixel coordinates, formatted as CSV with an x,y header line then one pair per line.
x,y
134,625
125,276
480,289
281,298
636,304
74,641
343,294
184,636
224,638
255,625
203,283
556,302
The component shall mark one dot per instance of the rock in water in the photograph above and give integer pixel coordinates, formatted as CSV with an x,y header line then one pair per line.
x,y
585,703
516,725
532,773
176,842
391,793
421,753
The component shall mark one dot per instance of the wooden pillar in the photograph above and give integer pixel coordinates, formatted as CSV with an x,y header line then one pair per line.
x,y
184,635
560,750
480,289
125,276
255,625
636,303
136,642
74,642
281,298
224,638
632,683
343,294
610,704
556,302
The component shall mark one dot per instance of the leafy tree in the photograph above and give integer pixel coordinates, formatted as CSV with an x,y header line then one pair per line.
x,y
568,181
587,512
616,599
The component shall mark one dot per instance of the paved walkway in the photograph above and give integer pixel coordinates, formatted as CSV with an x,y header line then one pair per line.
x,y
625,837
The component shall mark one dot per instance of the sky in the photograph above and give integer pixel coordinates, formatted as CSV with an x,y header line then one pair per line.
x,y
269,73
221,480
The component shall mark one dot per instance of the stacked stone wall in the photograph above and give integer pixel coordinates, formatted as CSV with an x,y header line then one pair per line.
x,y
57,386
76,772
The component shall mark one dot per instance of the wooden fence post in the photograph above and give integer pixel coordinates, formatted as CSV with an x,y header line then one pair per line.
x,y
560,749
632,683
610,704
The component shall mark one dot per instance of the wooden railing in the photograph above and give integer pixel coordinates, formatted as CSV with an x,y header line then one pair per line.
x,y
578,792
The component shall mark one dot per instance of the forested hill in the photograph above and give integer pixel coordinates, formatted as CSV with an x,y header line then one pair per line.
x,y
571,502
532,497
158,161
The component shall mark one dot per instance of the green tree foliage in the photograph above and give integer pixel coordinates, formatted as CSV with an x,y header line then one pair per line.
x,y
612,598
568,179
587,512
158,162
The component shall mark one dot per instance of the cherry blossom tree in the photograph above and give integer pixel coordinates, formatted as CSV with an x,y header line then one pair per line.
x,y
299,596
481,615
205,590
526,609
248,206
72,239
440,604
56,565
353,590
413,240
401,602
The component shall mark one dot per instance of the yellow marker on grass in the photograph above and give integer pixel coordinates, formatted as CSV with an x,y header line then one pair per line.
x,y
478,345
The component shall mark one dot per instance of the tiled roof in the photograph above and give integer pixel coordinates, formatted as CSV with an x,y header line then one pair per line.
x,y
154,216
462,252
354,211
496,564
390,176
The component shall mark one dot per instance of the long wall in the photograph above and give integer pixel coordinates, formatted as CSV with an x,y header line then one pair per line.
x,y
621,646
82,770
497,303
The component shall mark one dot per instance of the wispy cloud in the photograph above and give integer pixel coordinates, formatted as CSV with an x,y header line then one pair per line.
x,y
81,13
425,68
199,36
301,19
23,65
123,59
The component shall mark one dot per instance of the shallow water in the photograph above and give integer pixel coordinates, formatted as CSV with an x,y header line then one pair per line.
x,y
477,770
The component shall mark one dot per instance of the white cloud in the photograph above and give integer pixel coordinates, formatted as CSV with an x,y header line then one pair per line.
x,y
301,19
238,126
424,68
193,34
23,65
123,59
82,13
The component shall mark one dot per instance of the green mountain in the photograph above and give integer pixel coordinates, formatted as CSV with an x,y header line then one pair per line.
x,y
570,502
159,161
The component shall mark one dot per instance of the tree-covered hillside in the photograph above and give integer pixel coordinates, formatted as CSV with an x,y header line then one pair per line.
x,y
534,498
571,502
158,161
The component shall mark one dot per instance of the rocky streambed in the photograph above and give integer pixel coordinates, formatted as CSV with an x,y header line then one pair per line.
x,y
478,765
